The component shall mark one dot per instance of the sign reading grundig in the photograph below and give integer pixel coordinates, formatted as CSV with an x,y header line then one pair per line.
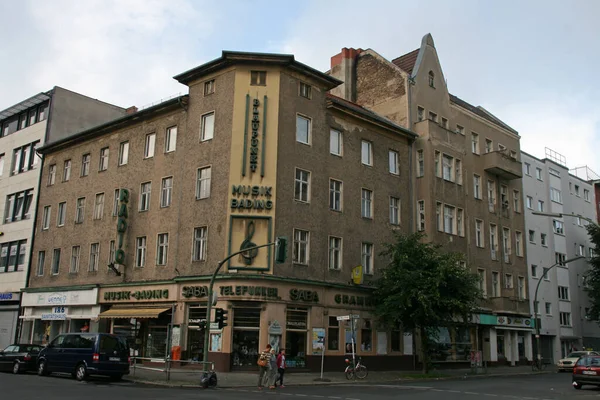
x,y
251,197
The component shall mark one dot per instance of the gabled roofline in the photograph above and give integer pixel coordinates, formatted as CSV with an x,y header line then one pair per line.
x,y
229,58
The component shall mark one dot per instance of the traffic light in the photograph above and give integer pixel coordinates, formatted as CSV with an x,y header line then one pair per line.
x,y
202,324
281,250
221,317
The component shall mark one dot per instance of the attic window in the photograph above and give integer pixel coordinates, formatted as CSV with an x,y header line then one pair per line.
x,y
431,79
258,78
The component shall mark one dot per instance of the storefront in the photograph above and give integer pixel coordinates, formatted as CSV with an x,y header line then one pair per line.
x,y
47,314
506,339
9,313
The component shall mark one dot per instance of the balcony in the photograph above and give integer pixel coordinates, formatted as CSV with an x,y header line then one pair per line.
x,y
509,305
501,163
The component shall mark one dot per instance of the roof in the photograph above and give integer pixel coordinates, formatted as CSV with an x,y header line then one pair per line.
x,y
110,126
229,58
369,115
407,61
480,111
24,105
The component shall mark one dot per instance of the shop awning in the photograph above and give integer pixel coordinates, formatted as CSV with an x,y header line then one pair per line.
x,y
133,312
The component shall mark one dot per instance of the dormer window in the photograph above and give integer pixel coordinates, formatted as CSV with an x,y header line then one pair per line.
x,y
431,79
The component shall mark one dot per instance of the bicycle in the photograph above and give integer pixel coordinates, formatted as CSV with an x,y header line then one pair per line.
x,y
360,371
538,365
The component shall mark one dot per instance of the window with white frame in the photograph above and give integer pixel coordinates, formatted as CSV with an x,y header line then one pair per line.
x,y
46,218
531,236
203,183
534,271
495,284
162,249
555,195
508,281
335,253
494,241
449,219
529,202
581,250
94,256
51,174
393,159
563,293
558,226
420,114
80,210
420,164
506,245
457,171
560,258
460,129
62,213
517,201
421,211
538,174
367,258
75,257
475,143
460,228
111,252
548,307
394,210
115,210
123,153
200,238
55,261
41,261
301,246
491,189
303,129
207,126
519,243
447,167
166,193
565,319
437,160
302,186
335,195
366,203
366,153
149,145
86,159
444,123
258,78
433,116
554,172
592,253
99,206
103,166
2,160
577,191
305,90
145,191
24,158
481,282
335,142
545,274
489,146
140,251
527,168
171,139
66,170
586,195
540,206
504,196
479,239
521,288
209,87
477,186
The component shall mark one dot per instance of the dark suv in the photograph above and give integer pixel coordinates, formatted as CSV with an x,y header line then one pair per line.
x,y
84,354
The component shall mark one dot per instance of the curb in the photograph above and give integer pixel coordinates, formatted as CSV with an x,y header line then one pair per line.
x,y
338,383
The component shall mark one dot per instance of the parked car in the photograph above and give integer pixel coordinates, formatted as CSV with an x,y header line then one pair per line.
x,y
85,354
567,363
586,371
19,358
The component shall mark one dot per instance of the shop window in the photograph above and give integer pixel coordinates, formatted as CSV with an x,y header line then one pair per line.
x,y
296,337
521,344
366,336
452,344
333,334
246,330
397,338
500,345
350,340
195,341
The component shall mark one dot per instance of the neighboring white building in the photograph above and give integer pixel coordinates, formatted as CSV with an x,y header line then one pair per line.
x,y
24,127
548,187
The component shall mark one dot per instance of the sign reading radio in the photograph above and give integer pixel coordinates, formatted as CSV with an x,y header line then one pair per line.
x,y
256,202
121,225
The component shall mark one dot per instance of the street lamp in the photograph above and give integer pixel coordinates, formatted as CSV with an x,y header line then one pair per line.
x,y
537,324
560,215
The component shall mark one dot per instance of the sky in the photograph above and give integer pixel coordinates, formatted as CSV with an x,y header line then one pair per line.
x,y
531,63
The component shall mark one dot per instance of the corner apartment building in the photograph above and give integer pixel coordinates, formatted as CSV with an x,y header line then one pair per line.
x,y
257,149
25,127
467,187
548,187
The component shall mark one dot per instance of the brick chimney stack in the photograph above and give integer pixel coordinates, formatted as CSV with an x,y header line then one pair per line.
x,y
343,67
131,110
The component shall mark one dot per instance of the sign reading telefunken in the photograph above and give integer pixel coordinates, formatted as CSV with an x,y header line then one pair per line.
x,y
121,226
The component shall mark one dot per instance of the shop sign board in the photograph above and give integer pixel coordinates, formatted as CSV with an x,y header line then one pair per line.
x,y
9,296
318,340
67,298
58,314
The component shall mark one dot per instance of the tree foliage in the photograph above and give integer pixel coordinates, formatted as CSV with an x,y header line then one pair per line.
x,y
592,277
424,288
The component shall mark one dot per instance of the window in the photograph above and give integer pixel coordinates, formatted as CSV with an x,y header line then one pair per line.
x,y
41,262
258,78
437,163
494,241
519,244
149,145
479,239
481,282
477,186
62,213
460,129
32,116
302,129
558,227
534,269
578,221
458,172
506,245
367,258
560,258
548,308
532,236
171,139
18,206
445,123
111,251
207,126
591,252
166,192
577,191
85,164
489,146
103,159
94,256
421,211
335,253
527,168
162,249
521,288
51,174
538,173
115,210
2,157
491,189
333,334
13,256
475,143
99,206
563,293
545,274
366,154
145,196
565,319
495,284
75,256
449,218
335,142
123,153
554,172
140,251
504,196
394,211
209,87
438,216
335,195
433,116
305,90
420,163
302,186
508,281
431,79
517,201
586,195
200,237
393,162
581,250
447,166
24,158
67,170
420,114
529,202
540,206
366,203
46,218
555,195
55,261
301,246
203,183
80,210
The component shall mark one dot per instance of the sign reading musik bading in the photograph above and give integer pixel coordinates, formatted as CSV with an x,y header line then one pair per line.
x,y
248,197
124,295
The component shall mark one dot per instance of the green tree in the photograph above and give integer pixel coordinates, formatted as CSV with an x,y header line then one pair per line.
x,y
592,277
424,288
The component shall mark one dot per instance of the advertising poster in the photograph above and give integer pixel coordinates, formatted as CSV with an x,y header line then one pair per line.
x,y
318,340
215,342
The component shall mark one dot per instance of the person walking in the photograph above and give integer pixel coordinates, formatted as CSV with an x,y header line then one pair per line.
x,y
272,370
280,367
264,365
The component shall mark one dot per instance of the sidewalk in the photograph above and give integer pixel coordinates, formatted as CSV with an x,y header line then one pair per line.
x,y
187,378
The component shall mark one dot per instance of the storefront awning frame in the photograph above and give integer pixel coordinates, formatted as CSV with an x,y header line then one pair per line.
x,y
133,312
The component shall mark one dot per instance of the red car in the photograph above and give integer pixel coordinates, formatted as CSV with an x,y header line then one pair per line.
x,y
586,371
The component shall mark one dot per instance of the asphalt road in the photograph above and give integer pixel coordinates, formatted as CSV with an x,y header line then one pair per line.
x,y
532,387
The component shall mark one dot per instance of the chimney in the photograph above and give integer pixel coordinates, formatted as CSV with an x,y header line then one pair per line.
x,y
131,110
343,67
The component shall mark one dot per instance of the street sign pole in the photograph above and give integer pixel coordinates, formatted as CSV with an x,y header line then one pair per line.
x,y
352,316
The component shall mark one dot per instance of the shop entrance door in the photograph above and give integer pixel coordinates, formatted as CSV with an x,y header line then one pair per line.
x,y
245,339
